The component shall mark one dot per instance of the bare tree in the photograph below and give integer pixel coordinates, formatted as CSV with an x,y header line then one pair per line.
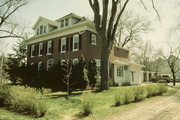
x,y
1,67
106,29
9,28
173,61
129,29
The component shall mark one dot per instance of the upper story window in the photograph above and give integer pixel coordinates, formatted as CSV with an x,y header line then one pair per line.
x,y
93,39
44,29
49,47
40,66
62,23
40,49
66,22
50,64
41,29
119,71
75,61
75,42
63,44
38,31
32,50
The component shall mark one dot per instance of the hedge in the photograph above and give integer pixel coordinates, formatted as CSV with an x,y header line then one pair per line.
x,y
23,100
130,94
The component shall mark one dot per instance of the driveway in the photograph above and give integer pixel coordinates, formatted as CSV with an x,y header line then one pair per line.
x,y
157,108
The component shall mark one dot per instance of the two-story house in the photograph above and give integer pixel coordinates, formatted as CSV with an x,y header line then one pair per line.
x,y
70,37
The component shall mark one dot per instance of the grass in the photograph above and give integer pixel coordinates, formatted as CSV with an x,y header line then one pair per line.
x,y
62,109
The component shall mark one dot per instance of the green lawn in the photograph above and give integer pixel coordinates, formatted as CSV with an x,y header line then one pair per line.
x,y
60,108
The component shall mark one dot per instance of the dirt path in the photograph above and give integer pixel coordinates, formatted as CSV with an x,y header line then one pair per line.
x,y
158,108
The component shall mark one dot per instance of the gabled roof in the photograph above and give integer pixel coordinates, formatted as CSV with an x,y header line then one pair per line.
x,y
70,15
50,22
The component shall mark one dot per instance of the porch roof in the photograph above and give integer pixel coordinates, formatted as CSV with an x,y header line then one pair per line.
x,y
126,62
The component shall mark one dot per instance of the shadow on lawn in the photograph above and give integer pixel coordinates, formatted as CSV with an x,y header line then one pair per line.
x,y
64,95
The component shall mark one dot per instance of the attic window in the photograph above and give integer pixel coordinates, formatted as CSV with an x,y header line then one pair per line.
x,y
62,23
44,29
41,29
38,31
66,22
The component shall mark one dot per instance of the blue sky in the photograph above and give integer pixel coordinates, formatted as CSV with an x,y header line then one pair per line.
x,y
54,9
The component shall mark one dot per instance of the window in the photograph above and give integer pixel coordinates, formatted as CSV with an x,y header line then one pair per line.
x,y
49,47
119,71
62,23
66,22
93,39
98,64
75,61
125,67
44,29
63,62
50,64
40,49
38,31
32,50
40,66
63,45
75,42
41,29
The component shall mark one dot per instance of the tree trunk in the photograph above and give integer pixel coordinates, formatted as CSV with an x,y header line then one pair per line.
x,y
174,79
104,66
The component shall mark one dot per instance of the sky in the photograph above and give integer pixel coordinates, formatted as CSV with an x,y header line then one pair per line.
x,y
54,9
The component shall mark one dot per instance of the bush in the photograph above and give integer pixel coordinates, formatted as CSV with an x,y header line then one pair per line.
x,y
24,100
87,103
152,90
162,88
139,93
129,94
119,98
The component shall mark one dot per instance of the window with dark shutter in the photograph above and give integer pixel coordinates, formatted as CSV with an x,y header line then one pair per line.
x,y
60,45
71,43
67,44
75,42
63,44
52,48
37,50
45,48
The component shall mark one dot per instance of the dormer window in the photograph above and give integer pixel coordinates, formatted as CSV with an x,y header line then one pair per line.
x,y
38,31
62,23
44,29
41,29
66,22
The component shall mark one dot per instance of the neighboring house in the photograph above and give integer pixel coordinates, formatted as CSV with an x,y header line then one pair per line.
x,y
164,69
70,37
